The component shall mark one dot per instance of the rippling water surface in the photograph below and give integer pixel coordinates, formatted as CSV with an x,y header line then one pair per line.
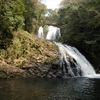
x,y
50,89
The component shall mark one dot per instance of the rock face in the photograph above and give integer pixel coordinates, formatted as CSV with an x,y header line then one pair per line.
x,y
8,71
33,70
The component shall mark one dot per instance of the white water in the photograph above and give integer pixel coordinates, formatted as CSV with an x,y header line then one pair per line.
x,y
71,60
40,32
52,34
80,62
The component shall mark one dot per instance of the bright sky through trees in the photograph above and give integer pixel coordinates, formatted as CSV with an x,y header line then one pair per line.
x,y
52,4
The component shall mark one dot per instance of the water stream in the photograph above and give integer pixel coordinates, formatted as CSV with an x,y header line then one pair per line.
x,y
73,63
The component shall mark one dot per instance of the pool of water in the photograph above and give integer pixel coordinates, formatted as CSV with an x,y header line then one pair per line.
x,y
50,89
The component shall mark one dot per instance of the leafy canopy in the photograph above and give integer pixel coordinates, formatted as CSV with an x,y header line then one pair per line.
x,y
11,14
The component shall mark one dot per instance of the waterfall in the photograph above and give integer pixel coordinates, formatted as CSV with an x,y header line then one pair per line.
x,y
75,63
40,32
52,33
71,62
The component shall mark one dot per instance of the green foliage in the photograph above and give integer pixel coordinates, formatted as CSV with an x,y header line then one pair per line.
x,y
52,17
81,21
11,14
18,47
27,48
5,39
11,18
34,15
80,25
21,48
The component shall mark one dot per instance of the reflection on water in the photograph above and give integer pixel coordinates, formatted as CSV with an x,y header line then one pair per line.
x,y
50,89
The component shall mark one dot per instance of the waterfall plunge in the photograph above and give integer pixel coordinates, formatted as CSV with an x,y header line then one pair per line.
x,y
74,61
71,61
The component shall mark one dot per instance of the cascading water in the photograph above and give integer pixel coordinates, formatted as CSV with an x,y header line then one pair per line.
x,y
40,32
71,62
52,33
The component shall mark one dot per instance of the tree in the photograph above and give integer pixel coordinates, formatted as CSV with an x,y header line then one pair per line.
x,y
11,14
80,26
11,17
34,15
52,17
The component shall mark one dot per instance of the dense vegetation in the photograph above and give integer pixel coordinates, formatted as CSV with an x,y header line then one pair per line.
x,y
52,17
80,26
34,15
18,19
19,14
27,14
79,21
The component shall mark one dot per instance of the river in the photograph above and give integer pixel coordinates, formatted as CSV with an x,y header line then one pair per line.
x,y
50,89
